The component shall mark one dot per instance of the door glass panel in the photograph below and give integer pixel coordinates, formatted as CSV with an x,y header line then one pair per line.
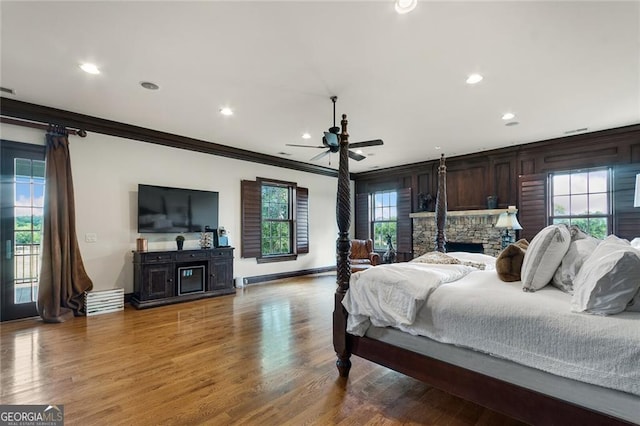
x,y
28,193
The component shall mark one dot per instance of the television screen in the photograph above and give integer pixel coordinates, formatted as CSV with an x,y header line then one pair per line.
x,y
164,209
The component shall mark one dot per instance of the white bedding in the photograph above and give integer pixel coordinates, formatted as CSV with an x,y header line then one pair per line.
x,y
393,293
538,329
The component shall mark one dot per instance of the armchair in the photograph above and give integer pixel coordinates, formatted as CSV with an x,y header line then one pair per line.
x,y
362,255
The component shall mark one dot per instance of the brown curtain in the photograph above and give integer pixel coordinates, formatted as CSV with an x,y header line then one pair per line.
x,y
63,279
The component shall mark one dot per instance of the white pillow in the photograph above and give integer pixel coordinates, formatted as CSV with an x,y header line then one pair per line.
x,y
579,251
608,280
543,256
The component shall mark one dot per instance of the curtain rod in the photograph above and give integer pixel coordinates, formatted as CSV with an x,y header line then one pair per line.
x,y
36,125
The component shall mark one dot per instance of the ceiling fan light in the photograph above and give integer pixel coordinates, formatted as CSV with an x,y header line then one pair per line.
x,y
405,6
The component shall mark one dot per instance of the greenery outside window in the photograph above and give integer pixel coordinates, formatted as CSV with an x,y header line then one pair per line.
x,y
582,198
277,220
385,218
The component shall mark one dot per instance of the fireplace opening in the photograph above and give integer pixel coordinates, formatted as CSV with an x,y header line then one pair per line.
x,y
452,246
191,279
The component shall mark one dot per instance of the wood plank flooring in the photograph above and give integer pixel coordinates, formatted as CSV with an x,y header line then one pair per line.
x,y
261,357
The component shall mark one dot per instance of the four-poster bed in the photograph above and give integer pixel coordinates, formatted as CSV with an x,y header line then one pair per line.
x,y
522,392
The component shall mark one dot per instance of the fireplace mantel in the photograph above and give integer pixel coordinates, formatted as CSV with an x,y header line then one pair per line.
x,y
454,213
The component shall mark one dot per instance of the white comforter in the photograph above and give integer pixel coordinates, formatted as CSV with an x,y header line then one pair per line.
x,y
391,295
537,329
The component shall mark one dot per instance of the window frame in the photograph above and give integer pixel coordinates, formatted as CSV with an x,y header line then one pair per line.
x,y
291,192
373,222
554,218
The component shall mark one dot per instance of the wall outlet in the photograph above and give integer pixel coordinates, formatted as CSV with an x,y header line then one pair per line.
x,y
91,237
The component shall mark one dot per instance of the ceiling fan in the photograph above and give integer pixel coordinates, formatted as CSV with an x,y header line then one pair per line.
x,y
331,141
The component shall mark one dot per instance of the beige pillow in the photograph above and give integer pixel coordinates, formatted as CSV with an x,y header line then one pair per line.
x,y
509,262
543,256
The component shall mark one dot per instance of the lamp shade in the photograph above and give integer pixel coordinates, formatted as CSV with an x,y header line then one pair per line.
x,y
636,201
509,221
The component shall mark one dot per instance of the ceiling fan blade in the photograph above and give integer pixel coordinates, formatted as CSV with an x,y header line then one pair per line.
x,y
374,142
304,146
355,156
319,156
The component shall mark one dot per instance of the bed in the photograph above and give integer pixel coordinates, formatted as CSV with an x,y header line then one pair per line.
x,y
553,384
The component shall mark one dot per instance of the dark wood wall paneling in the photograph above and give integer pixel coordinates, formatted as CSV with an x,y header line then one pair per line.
x,y
471,178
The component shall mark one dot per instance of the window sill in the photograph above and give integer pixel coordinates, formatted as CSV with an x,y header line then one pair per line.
x,y
277,258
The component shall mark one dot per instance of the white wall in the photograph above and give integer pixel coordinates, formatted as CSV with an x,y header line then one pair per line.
x,y
106,173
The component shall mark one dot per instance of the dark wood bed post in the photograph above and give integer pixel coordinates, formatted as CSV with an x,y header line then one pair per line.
x,y
341,343
441,206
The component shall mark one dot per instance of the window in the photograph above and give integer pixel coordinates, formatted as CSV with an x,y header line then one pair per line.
x,y
385,218
582,198
275,220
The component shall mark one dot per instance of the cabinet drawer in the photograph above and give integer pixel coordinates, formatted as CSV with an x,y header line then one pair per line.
x,y
156,257
195,255
221,253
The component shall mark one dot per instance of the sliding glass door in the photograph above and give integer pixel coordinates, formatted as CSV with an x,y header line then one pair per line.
x,y
21,200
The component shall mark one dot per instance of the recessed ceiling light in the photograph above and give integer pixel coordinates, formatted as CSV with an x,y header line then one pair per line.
x,y
90,68
306,136
226,111
438,148
474,78
149,85
359,151
508,116
405,6
512,123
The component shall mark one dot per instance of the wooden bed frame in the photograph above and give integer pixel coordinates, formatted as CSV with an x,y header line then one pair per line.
x,y
515,401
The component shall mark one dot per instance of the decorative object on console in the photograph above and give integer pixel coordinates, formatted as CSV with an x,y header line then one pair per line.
x,y
180,241
141,244
492,202
636,201
223,238
206,239
508,220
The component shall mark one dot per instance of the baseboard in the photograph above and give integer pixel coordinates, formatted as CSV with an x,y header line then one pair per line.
x,y
271,277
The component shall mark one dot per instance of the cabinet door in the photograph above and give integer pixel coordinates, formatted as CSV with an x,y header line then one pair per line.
x,y
157,281
221,274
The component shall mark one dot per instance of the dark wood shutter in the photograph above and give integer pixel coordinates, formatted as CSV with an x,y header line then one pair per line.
x,y
250,218
302,220
363,221
404,222
532,206
626,218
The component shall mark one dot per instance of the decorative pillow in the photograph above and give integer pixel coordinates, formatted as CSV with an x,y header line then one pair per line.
x,y
509,262
579,250
543,256
608,280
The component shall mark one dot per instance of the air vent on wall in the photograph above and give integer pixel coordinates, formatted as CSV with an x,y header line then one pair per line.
x,y
7,90
570,132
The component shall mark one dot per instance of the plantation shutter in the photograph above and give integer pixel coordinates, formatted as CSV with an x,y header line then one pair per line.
x,y
250,219
404,222
302,220
362,217
626,218
532,208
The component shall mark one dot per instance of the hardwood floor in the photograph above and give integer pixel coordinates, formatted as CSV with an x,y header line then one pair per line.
x,y
263,356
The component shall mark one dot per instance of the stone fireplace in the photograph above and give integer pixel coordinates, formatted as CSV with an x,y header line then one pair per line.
x,y
467,227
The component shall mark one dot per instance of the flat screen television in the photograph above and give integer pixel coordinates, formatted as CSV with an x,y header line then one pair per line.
x,y
163,209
